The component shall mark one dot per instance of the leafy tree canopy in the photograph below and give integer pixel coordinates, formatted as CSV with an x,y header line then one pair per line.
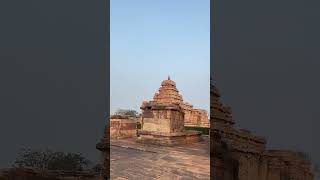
x,y
127,112
50,160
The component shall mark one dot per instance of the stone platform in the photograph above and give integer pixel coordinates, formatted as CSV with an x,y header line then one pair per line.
x,y
132,160
168,139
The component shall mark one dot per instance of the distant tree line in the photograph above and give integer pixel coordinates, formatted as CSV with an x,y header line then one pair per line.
x,y
52,160
127,112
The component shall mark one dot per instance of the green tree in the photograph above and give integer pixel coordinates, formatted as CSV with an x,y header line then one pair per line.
x,y
127,112
50,160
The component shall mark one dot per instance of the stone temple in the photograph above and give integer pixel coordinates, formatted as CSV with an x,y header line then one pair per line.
x,y
168,93
163,118
238,154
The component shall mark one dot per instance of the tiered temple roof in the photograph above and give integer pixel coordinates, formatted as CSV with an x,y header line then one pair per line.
x,y
168,93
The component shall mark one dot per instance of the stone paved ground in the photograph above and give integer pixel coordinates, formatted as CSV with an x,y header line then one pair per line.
x,y
131,160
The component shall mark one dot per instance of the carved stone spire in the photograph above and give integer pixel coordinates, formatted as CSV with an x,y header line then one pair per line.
x,y
168,93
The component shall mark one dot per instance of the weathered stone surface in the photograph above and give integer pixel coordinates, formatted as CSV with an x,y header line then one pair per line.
x,y
131,160
122,127
169,139
195,117
237,154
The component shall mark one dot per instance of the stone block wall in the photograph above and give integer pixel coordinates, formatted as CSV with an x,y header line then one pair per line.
x,y
195,117
123,127
163,118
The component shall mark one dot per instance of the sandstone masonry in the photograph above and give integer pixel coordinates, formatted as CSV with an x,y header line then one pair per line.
x,y
122,127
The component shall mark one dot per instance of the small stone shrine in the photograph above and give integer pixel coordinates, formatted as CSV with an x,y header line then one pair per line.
x,y
163,118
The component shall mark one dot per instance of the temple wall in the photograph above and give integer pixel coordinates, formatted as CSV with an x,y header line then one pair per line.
x,y
195,117
153,124
166,121
122,128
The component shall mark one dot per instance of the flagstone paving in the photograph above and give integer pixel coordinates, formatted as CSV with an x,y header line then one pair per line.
x,y
131,160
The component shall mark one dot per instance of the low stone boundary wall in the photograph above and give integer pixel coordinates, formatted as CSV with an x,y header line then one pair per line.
x,y
123,128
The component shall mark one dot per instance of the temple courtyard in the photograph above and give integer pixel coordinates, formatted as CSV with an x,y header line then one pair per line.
x,y
132,160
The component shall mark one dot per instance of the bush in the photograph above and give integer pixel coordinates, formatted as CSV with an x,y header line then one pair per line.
x,y
204,130
139,125
50,160
126,112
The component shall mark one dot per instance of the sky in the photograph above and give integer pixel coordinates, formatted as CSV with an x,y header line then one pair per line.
x,y
151,40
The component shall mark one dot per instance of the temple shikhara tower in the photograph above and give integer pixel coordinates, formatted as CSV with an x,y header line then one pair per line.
x,y
163,118
238,154
168,93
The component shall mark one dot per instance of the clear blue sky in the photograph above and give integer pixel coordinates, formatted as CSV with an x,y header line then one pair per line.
x,y
151,39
